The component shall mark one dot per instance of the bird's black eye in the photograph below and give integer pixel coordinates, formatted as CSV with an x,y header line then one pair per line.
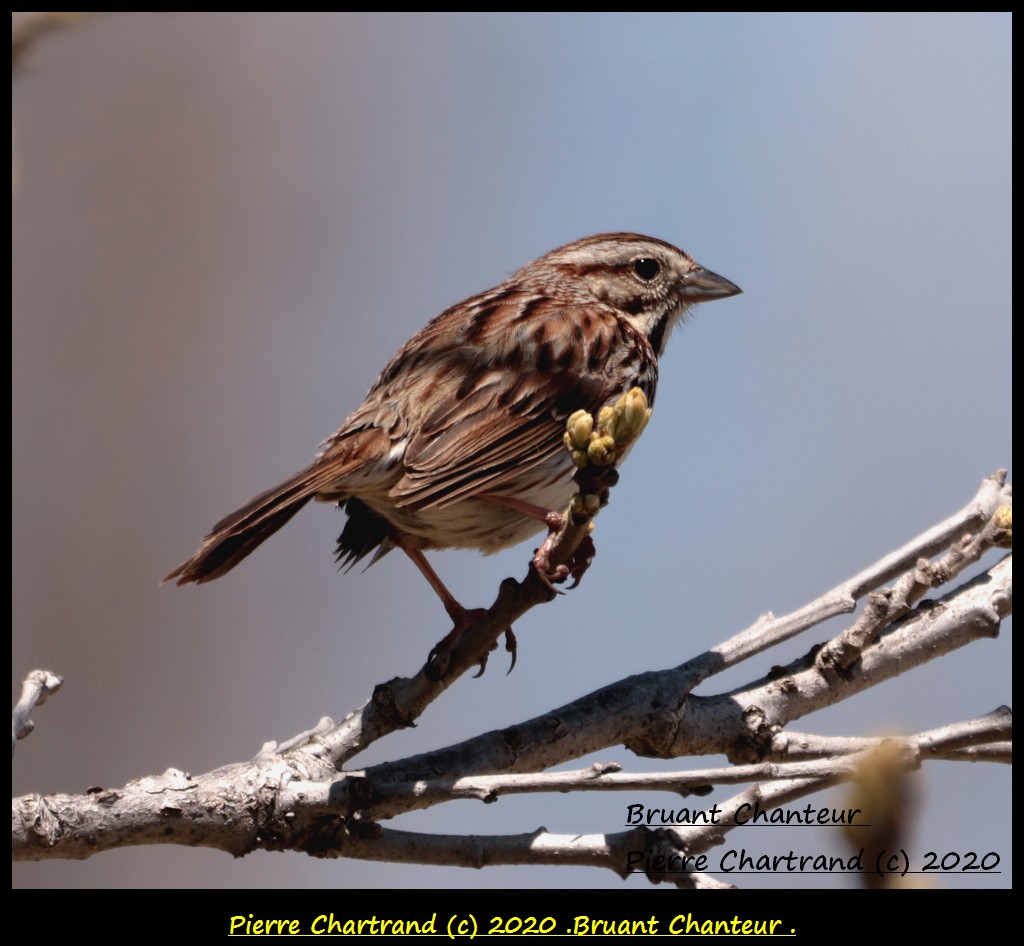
x,y
646,268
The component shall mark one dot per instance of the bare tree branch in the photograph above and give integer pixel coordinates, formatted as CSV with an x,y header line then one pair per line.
x,y
291,796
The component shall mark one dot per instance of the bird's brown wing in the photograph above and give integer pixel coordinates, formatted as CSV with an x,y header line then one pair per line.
x,y
498,421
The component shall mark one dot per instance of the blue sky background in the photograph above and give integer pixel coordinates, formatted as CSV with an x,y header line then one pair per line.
x,y
226,224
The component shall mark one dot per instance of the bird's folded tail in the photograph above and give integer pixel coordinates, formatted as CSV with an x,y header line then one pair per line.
x,y
236,535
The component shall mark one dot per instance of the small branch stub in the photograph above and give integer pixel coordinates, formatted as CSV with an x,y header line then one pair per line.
x,y
38,685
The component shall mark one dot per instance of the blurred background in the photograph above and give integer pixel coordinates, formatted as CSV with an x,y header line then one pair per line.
x,y
224,225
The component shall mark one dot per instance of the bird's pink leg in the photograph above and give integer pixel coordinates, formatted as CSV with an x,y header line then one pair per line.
x,y
461,617
553,520
542,557
456,611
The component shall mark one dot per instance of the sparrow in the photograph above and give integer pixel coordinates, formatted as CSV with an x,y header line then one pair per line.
x,y
459,442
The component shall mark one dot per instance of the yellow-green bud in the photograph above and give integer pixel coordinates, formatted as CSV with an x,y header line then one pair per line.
x,y
605,421
602,451
632,416
577,430
1004,520
585,504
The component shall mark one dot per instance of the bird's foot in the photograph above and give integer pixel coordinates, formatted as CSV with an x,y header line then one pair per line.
x,y
463,618
581,559
550,574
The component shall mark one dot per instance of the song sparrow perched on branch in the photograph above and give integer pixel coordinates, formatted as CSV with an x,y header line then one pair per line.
x,y
459,441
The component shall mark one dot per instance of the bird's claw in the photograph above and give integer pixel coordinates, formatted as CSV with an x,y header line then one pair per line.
x,y
436,667
511,646
581,560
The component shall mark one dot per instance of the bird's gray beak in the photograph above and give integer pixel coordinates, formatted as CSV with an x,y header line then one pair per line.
x,y
702,285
